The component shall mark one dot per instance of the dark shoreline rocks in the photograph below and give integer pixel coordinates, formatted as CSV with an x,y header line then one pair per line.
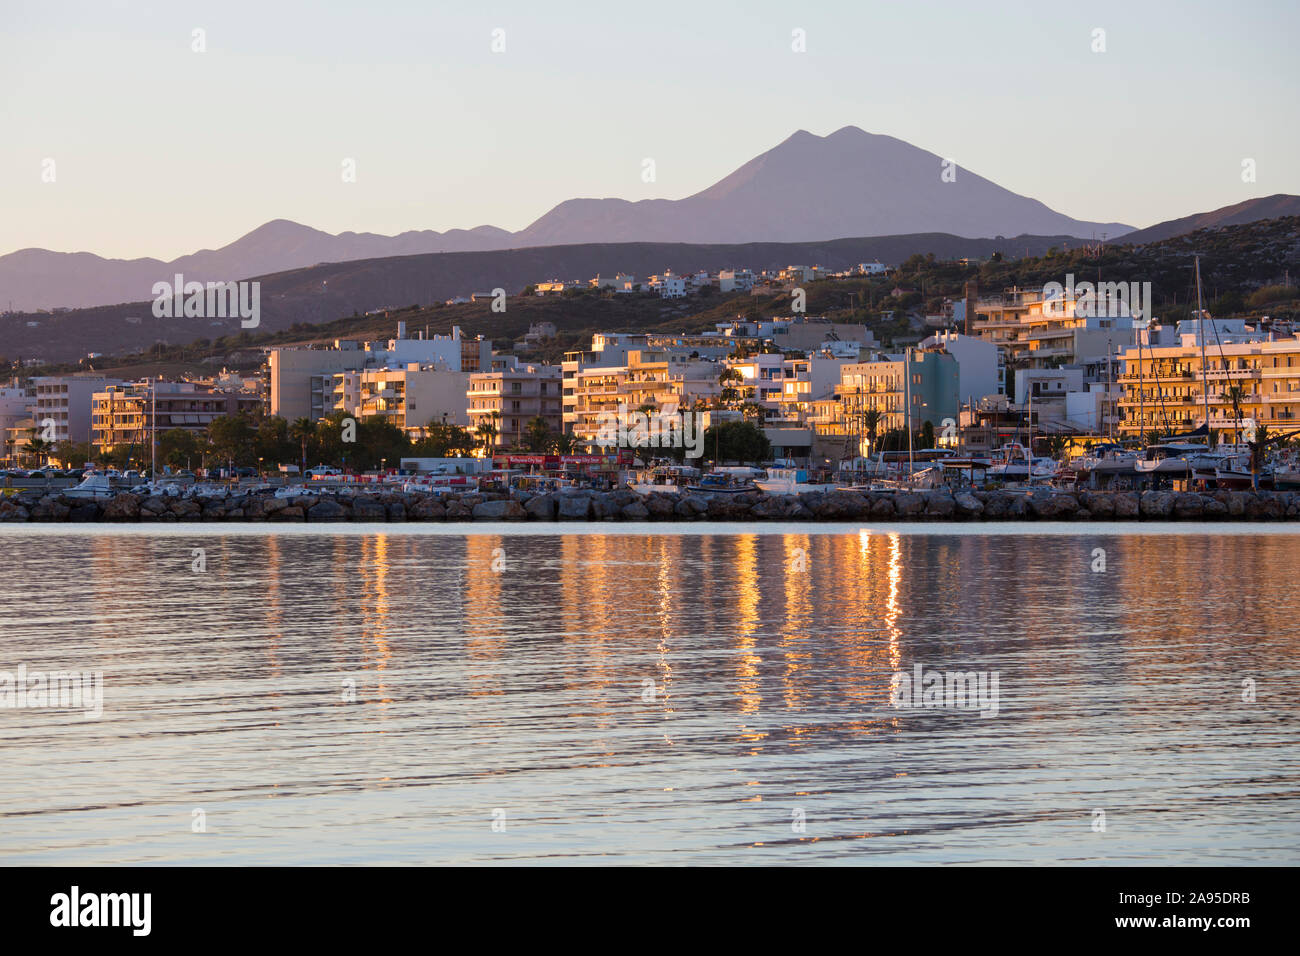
x,y
627,506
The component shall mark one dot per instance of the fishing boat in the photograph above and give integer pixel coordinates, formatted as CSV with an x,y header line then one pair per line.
x,y
1234,473
722,483
663,478
1286,478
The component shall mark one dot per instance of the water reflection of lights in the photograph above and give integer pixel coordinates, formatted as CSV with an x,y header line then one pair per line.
x,y
892,610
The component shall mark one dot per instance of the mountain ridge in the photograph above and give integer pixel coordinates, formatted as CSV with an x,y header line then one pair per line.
x,y
807,188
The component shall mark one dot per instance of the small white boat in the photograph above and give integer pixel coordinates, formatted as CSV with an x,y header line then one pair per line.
x,y
92,486
1013,463
788,481
296,491
1171,458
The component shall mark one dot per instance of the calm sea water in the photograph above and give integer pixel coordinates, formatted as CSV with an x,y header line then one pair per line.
x,y
700,694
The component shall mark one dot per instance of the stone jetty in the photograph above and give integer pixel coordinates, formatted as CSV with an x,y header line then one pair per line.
x,y
1041,504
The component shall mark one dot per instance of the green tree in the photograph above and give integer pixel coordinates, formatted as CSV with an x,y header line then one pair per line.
x,y
74,454
728,380
274,445
231,439
379,441
537,435
180,448
737,441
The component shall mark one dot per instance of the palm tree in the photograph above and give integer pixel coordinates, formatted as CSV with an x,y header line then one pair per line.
x,y
36,445
487,433
303,429
871,422
562,443
537,436
1234,394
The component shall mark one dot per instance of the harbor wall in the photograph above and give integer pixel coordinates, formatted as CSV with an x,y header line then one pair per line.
x,y
626,505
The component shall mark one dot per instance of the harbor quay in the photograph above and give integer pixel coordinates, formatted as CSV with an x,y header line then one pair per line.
x,y
630,506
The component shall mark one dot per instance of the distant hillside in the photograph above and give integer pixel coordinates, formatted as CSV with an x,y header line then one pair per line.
x,y
322,293
1236,261
1246,270
1252,210
807,189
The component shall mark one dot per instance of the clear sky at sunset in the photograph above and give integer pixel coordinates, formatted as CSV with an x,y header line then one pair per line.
x,y
160,150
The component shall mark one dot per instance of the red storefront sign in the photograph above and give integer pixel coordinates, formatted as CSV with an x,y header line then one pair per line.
x,y
556,462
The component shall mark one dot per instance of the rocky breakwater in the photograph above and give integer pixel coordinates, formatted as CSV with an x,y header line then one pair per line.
x,y
837,505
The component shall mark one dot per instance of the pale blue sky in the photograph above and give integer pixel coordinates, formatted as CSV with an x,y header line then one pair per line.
x,y
161,151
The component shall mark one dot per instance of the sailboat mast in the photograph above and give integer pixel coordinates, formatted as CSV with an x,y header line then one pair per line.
x,y
1205,369
1142,414
153,430
907,398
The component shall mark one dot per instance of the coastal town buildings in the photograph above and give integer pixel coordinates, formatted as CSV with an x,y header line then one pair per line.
x,y
302,380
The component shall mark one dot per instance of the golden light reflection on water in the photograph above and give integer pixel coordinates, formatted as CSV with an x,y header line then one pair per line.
x,y
797,633
780,623
485,565
374,613
666,573
748,594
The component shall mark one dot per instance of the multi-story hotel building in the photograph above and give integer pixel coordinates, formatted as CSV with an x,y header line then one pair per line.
x,y
303,380
126,414
63,403
509,399
1037,331
1164,387
651,378
408,398
928,378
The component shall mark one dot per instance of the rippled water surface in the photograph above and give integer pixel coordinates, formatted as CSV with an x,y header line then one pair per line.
x,y
697,694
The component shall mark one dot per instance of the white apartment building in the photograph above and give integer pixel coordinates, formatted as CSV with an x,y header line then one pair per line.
x,y
65,401
736,280
302,380
980,370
